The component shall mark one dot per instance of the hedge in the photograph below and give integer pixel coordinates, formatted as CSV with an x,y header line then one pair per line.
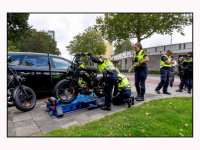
x,y
149,71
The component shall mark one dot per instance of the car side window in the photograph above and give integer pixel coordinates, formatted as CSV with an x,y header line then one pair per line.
x,y
36,61
16,59
61,63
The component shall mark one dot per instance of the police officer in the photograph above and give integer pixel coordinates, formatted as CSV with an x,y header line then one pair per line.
x,y
165,64
187,67
107,68
140,58
124,88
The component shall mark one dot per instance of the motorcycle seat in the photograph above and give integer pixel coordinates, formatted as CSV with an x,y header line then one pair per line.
x,y
90,69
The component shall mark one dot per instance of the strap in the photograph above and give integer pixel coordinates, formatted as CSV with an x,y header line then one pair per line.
x,y
126,87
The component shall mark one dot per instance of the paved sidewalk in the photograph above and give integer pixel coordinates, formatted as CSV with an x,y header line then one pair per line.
x,y
37,121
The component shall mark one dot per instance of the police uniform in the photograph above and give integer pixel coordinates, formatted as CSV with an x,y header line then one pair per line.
x,y
180,74
187,73
122,87
141,71
108,70
164,73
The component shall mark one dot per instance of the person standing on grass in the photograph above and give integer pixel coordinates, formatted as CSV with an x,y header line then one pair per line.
x,y
140,67
165,65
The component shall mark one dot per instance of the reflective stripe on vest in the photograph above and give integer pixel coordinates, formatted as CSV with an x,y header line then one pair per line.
x,y
105,65
188,60
81,65
163,64
140,57
124,84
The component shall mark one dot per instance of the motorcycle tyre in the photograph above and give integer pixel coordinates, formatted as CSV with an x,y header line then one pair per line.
x,y
171,82
11,103
18,103
60,83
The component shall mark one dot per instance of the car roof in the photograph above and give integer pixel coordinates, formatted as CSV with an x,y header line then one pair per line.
x,y
31,53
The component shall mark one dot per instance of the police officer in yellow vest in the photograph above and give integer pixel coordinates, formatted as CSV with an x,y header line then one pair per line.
x,y
165,64
140,58
122,87
107,68
187,67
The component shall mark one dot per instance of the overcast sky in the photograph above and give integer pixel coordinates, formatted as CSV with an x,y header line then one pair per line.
x,y
66,26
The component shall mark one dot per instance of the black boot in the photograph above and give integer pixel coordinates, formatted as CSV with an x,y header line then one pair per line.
x,y
141,98
129,102
105,107
132,100
137,96
179,90
189,91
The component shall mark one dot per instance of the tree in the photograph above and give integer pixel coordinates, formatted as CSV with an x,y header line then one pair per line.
x,y
125,45
12,47
17,25
89,41
38,42
116,27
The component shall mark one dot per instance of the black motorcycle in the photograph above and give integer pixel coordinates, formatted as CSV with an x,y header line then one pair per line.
x,y
23,97
67,89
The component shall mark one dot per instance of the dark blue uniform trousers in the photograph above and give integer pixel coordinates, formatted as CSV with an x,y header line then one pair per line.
x,y
110,81
187,76
164,75
140,78
119,99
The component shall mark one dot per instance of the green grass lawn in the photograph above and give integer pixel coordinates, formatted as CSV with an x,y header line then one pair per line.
x,y
169,117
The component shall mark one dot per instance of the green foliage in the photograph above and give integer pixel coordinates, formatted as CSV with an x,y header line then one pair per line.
x,y
17,25
123,26
153,71
119,66
38,42
12,47
149,71
89,41
122,46
168,117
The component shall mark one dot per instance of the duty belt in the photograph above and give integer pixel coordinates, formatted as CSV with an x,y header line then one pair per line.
x,y
126,87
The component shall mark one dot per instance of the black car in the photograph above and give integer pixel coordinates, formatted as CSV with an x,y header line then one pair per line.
x,y
34,66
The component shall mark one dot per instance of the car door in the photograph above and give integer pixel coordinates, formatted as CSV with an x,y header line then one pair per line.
x,y
60,66
36,70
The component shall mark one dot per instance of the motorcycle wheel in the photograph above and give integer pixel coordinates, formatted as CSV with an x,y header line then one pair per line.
x,y
100,91
24,103
10,99
171,81
61,92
